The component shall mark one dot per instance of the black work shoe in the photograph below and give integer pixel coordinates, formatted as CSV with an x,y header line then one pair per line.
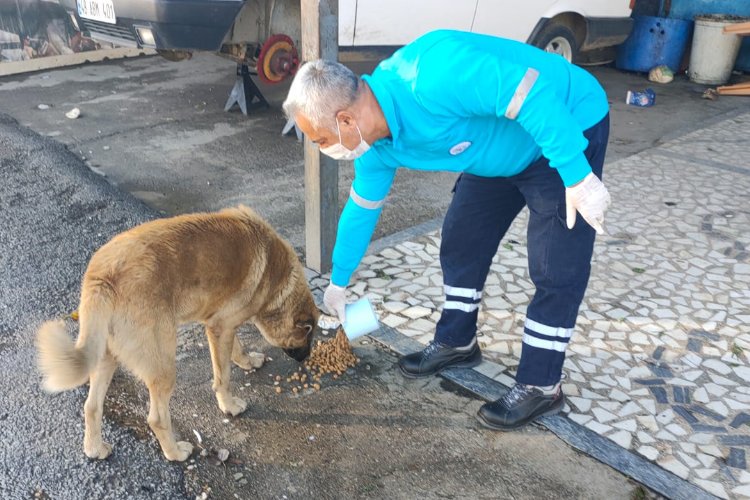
x,y
520,405
436,357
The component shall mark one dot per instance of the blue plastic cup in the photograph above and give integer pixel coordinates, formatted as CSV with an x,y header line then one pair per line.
x,y
360,319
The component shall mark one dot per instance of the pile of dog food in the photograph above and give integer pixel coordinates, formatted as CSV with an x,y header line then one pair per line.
x,y
332,356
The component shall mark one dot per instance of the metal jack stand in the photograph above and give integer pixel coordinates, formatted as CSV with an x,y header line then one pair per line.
x,y
245,92
290,124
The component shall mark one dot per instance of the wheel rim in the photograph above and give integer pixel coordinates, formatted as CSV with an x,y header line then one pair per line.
x,y
560,46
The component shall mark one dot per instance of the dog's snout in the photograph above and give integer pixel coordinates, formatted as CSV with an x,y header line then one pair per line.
x,y
301,353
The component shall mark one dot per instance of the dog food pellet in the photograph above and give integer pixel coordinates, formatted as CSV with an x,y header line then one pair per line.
x,y
278,390
278,378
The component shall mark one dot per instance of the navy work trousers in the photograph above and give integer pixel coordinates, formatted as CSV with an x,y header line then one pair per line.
x,y
559,258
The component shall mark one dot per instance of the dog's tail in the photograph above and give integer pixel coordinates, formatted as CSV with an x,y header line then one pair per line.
x,y
65,364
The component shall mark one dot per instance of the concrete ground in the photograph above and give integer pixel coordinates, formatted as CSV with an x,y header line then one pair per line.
x,y
158,130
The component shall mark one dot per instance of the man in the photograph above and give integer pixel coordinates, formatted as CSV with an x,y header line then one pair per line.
x,y
524,128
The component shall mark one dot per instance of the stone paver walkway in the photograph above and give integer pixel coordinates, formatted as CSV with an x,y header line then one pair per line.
x,y
659,363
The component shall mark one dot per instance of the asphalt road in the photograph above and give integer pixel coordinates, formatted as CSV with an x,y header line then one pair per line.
x,y
53,213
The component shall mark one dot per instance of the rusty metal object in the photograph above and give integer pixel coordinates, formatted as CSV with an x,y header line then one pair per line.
x,y
175,55
238,52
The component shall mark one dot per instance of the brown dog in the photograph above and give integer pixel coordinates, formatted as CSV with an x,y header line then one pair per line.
x,y
221,269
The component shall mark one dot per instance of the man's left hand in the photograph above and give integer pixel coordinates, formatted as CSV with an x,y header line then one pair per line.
x,y
589,198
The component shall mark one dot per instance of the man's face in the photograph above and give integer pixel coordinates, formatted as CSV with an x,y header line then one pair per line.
x,y
324,137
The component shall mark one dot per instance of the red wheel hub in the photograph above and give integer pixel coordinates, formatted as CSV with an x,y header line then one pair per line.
x,y
277,60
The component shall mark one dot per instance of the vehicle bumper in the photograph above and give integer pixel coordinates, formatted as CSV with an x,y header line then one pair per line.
x,y
606,32
175,24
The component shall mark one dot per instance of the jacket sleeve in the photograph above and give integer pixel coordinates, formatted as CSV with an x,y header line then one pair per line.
x,y
479,83
372,181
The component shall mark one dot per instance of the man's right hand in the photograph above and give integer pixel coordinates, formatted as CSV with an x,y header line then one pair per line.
x,y
335,301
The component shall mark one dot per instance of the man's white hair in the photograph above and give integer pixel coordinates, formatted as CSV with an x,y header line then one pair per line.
x,y
321,89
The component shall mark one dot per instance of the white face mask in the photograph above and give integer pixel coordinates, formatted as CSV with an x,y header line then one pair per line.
x,y
340,152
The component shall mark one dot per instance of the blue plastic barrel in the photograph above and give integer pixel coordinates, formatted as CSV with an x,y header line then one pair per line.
x,y
654,41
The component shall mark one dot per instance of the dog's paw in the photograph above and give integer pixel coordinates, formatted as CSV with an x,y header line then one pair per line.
x,y
182,452
233,406
250,361
98,452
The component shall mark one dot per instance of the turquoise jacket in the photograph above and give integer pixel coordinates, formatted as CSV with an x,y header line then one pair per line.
x,y
463,102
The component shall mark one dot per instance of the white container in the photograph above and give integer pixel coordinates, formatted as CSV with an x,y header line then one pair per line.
x,y
360,319
713,52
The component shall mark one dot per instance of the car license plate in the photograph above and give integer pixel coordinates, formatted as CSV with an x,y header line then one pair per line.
x,y
98,10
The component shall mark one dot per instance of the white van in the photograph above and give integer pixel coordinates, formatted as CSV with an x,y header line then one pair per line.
x,y
566,27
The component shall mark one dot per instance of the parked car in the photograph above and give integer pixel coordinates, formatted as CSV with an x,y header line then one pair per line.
x,y
264,33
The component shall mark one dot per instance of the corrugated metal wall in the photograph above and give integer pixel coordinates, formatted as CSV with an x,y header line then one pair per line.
x,y
11,21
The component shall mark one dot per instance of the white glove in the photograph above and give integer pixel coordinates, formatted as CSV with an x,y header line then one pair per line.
x,y
589,198
335,301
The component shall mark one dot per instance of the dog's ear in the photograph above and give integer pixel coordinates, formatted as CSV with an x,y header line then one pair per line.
x,y
308,327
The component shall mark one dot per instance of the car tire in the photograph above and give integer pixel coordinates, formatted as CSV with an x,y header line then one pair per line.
x,y
558,39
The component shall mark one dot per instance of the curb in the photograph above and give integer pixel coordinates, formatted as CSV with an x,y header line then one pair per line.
x,y
573,434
